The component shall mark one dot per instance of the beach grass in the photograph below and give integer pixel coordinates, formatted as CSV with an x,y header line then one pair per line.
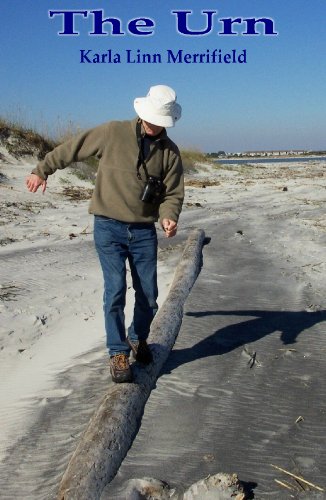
x,y
191,159
22,140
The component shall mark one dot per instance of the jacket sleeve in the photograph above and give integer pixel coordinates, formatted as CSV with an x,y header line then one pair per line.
x,y
171,204
79,148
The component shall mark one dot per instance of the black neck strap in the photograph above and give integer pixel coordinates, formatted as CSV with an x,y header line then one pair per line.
x,y
141,160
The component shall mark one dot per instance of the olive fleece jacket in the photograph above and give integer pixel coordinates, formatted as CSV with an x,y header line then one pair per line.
x,y
117,188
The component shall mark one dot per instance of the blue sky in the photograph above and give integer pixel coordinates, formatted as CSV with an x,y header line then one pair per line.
x,y
275,100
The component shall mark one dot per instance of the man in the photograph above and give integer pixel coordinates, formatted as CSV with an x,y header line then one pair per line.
x,y
139,180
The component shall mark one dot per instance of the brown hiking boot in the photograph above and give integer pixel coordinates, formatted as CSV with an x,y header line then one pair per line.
x,y
141,351
120,369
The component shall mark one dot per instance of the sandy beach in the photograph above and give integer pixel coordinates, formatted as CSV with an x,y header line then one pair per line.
x,y
244,386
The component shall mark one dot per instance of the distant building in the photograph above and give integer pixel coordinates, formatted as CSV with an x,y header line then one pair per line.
x,y
277,152
260,154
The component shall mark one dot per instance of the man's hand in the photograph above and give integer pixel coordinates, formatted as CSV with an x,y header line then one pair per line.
x,y
33,182
170,227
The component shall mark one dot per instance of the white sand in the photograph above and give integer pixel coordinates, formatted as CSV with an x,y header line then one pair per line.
x,y
51,283
249,358
285,201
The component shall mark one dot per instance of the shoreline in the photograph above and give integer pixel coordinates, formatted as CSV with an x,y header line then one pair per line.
x,y
272,158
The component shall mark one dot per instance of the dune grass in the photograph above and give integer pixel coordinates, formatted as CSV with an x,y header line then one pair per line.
x,y
191,159
21,140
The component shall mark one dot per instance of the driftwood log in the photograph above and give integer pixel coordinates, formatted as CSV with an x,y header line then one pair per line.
x,y
112,428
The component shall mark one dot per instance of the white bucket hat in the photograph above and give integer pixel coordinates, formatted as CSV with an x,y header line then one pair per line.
x,y
159,107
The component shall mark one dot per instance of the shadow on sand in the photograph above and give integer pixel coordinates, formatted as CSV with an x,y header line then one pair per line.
x,y
262,323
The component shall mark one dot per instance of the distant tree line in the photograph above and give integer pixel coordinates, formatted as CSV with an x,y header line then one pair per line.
x,y
216,155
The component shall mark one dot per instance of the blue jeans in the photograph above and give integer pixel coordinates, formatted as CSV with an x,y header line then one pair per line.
x,y
116,242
